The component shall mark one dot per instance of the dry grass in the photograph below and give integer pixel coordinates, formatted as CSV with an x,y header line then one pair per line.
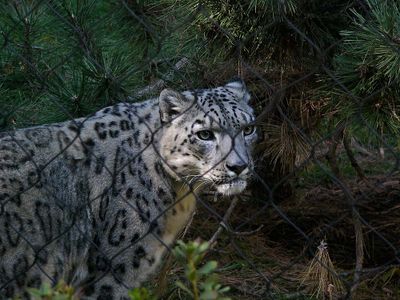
x,y
321,279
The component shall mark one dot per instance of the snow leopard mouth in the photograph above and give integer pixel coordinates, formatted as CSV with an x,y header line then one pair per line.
x,y
232,187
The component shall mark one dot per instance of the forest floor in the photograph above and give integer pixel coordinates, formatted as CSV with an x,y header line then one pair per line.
x,y
271,246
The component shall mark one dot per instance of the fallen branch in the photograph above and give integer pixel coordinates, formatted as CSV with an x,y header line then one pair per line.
x,y
360,149
245,233
159,84
359,252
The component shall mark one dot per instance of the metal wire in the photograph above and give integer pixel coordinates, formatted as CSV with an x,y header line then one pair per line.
x,y
269,202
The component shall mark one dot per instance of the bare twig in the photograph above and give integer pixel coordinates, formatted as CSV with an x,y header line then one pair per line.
x,y
359,252
350,155
222,224
331,155
185,230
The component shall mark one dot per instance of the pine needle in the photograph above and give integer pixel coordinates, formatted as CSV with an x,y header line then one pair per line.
x,y
320,278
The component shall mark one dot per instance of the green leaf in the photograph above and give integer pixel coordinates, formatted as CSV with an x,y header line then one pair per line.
x,y
35,293
208,268
224,289
209,295
178,253
184,288
203,247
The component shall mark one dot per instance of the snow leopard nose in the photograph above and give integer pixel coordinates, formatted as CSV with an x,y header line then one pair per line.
x,y
237,168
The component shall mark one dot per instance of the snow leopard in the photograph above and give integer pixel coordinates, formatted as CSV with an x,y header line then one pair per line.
x,y
96,202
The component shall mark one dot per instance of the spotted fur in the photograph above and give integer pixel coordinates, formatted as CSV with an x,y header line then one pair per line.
x,y
96,201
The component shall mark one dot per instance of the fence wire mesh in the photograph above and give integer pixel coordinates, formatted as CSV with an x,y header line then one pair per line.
x,y
319,218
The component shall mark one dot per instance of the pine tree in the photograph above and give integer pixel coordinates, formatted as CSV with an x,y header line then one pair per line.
x,y
66,59
368,67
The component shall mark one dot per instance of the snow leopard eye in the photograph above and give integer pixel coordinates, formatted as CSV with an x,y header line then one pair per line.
x,y
249,130
205,135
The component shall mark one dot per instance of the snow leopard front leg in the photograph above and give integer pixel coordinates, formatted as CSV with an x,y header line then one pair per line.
x,y
126,247
118,272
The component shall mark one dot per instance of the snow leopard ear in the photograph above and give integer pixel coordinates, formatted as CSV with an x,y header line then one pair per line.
x,y
238,86
172,104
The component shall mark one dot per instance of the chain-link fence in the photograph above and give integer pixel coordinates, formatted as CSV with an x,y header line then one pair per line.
x,y
82,201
